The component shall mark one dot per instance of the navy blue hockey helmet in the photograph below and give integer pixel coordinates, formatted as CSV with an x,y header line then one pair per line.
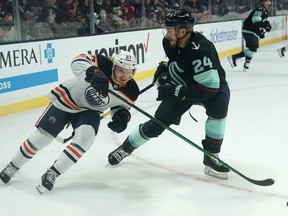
x,y
180,18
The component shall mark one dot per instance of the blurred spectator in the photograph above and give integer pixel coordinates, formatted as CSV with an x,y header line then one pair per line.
x,y
115,5
161,4
118,22
25,7
106,23
106,5
7,30
219,7
98,4
45,27
173,4
150,7
83,9
27,23
128,10
85,28
8,5
137,8
48,3
66,11
199,8
3,9
196,5
202,5
242,6
151,20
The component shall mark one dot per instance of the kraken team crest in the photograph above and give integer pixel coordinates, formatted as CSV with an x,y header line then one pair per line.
x,y
93,98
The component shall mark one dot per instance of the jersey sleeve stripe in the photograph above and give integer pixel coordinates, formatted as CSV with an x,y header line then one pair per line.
x,y
207,89
82,57
66,99
209,79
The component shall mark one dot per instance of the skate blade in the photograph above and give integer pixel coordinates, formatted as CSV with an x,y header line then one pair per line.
x,y
230,61
221,175
110,165
41,189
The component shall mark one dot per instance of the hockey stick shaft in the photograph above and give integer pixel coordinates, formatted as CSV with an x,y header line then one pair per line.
x,y
64,140
265,182
146,88
140,92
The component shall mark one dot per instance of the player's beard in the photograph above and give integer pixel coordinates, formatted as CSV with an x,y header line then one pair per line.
x,y
173,42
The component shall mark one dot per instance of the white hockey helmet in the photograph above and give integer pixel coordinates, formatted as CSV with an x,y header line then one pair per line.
x,y
125,60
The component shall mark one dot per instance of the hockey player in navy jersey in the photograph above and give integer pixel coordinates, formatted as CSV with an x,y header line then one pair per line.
x,y
80,102
195,77
254,28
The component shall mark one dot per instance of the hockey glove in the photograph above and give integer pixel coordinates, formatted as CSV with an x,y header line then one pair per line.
x,y
262,34
267,26
120,120
98,80
160,75
171,93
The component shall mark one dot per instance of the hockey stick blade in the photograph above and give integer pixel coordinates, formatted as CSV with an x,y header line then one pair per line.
x,y
265,182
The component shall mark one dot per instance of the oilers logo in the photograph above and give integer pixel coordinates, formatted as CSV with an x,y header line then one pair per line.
x,y
93,98
115,86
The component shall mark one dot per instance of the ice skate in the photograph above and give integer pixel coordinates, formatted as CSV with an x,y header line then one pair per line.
x,y
281,52
214,167
116,156
8,172
47,181
232,60
246,66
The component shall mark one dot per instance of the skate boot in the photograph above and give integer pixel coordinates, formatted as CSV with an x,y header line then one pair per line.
x,y
232,60
8,172
116,156
246,66
47,181
281,52
213,167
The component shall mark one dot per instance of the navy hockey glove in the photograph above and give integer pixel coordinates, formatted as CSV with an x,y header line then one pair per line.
x,y
160,75
267,26
89,73
98,80
120,120
171,93
262,34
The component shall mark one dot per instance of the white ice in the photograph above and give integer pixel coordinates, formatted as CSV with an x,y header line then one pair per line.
x,y
165,176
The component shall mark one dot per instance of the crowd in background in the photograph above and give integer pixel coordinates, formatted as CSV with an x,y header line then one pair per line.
x,y
44,19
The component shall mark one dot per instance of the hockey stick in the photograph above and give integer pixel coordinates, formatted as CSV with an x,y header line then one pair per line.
x,y
64,140
140,92
265,182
